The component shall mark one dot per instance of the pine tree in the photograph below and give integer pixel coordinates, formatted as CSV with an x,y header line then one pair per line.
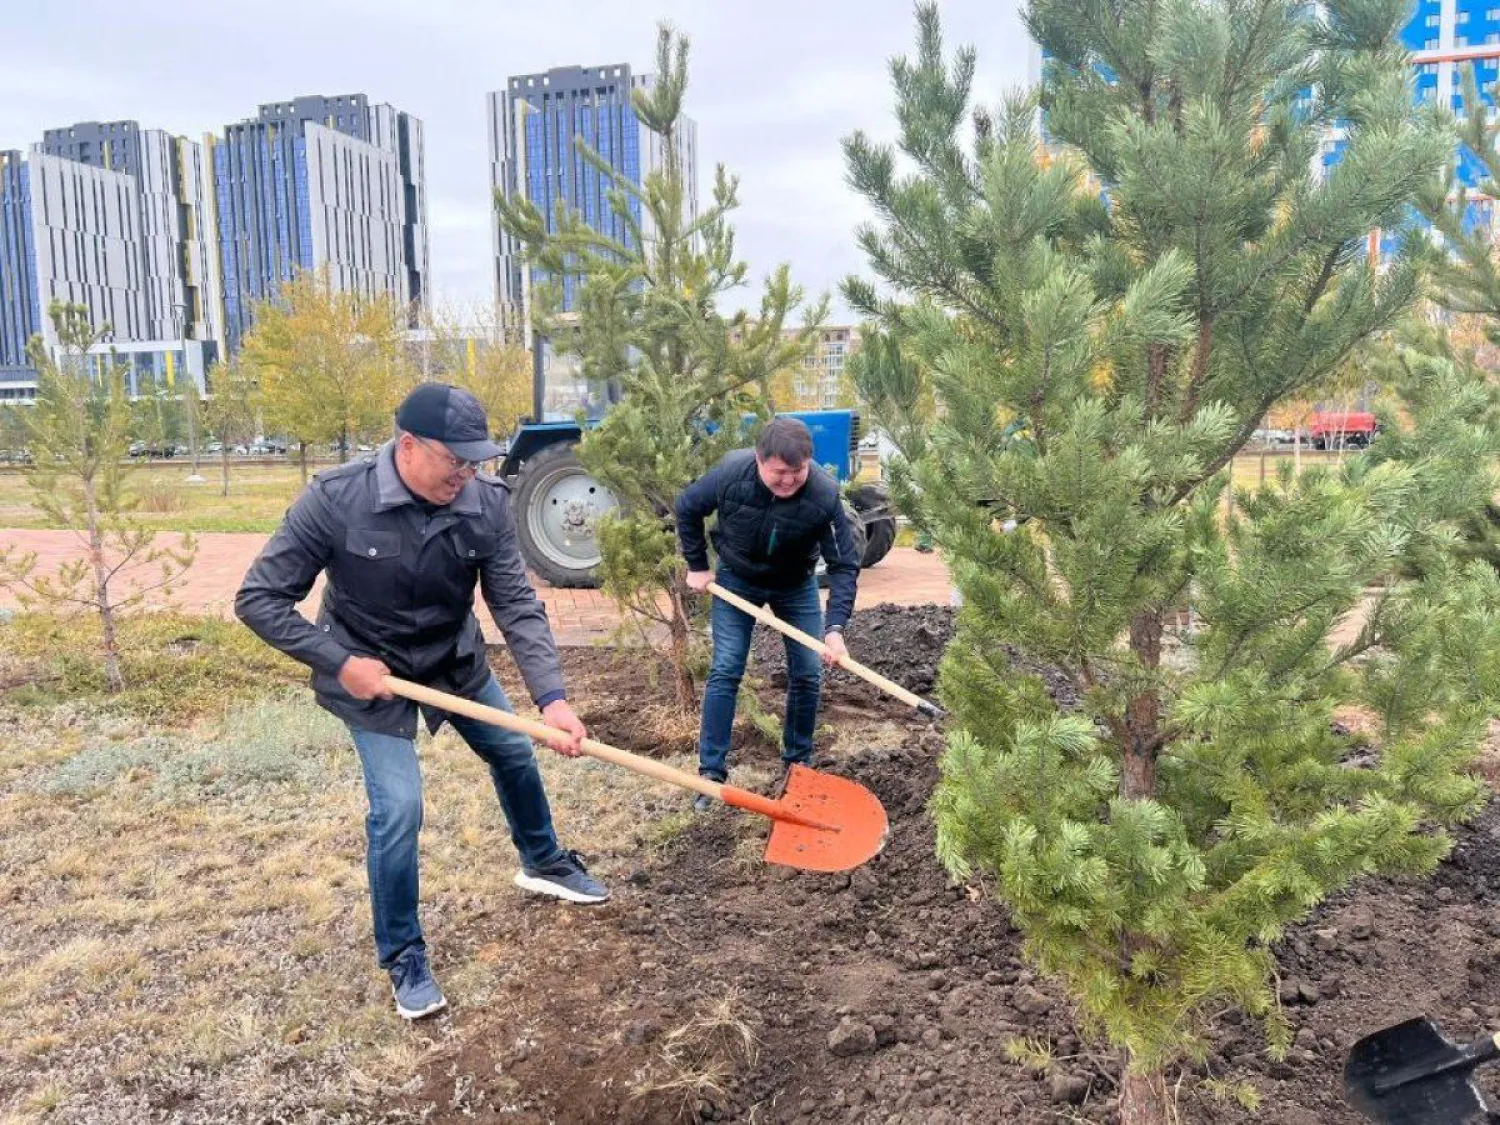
x,y
1467,285
78,433
647,319
1102,325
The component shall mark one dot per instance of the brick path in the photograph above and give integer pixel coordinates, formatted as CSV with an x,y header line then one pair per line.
x,y
904,577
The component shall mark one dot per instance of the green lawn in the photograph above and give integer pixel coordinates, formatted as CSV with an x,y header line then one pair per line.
x,y
258,496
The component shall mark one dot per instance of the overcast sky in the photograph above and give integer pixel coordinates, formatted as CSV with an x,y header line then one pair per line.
x,y
775,84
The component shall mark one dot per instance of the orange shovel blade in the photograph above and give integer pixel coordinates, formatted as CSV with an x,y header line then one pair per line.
x,y
856,831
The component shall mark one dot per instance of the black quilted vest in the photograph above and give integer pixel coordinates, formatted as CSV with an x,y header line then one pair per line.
x,y
764,539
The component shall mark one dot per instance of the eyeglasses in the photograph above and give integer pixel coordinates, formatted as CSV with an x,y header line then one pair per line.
x,y
468,468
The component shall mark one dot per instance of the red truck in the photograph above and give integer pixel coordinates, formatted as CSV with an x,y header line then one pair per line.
x,y
1333,429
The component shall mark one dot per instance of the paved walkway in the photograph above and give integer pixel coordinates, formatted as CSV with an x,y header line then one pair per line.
x,y
904,577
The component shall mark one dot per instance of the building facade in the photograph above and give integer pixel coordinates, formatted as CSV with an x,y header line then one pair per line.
x,y
532,126
822,383
319,183
71,233
177,274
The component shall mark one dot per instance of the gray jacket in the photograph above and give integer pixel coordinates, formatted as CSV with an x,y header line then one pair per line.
x,y
400,588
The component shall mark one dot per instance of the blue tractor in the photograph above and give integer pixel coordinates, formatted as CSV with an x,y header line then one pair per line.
x,y
557,504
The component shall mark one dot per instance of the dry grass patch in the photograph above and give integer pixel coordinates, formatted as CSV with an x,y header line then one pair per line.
x,y
177,668
258,497
184,914
698,1059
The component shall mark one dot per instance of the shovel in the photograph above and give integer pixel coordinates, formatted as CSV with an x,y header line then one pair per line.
x,y
1411,1074
764,615
820,822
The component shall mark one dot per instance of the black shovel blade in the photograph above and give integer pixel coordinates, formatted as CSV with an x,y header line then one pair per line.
x,y
1411,1074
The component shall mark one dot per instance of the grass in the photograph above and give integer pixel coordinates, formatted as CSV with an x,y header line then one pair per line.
x,y
698,1058
258,497
183,909
260,494
177,667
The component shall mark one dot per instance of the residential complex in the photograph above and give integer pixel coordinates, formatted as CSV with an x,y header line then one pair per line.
x,y
532,126
78,233
821,383
170,242
332,184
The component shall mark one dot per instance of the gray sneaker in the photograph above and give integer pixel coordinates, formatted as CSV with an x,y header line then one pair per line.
x,y
703,803
417,994
565,878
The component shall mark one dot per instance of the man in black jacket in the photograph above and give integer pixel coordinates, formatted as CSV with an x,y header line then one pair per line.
x,y
404,536
778,512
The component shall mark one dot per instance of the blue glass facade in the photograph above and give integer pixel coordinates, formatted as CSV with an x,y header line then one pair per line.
x,y
588,103
261,184
265,226
20,314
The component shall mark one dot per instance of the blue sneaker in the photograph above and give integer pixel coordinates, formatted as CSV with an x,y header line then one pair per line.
x,y
565,878
417,994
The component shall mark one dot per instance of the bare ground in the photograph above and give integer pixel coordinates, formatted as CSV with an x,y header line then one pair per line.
x,y
185,939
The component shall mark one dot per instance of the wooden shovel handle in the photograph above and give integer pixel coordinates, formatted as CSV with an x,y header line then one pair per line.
x,y
764,615
647,767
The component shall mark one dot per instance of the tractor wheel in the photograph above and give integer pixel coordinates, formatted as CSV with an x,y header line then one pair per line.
x,y
873,504
557,510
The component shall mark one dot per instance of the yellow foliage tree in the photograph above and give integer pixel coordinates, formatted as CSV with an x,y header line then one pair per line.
x,y
493,369
329,363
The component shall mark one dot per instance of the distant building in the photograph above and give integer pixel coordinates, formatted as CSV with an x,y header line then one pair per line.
x,y
822,383
319,183
532,126
71,232
177,274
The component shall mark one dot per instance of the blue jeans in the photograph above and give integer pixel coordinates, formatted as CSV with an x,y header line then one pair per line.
x,y
732,627
393,784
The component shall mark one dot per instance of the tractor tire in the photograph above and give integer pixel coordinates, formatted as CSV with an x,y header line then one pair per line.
x,y
856,531
873,504
557,506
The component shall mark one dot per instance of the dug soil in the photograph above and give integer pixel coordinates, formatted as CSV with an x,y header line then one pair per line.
x,y
717,988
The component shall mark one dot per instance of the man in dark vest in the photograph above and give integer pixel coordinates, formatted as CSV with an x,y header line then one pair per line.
x,y
778,512
404,537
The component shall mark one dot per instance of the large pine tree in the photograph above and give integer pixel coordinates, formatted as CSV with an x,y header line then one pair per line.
x,y
1102,324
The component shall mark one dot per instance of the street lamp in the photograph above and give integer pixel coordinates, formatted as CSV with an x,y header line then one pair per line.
x,y
190,401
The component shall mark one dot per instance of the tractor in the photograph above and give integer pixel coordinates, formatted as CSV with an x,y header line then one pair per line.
x,y
557,504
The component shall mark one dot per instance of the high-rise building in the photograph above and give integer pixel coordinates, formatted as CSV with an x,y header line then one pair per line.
x,y
20,300
532,126
70,233
319,183
177,275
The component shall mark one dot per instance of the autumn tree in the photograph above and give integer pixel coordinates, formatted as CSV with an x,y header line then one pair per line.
x,y
475,355
328,362
232,410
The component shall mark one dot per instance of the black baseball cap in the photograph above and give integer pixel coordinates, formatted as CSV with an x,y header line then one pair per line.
x,y
450,415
